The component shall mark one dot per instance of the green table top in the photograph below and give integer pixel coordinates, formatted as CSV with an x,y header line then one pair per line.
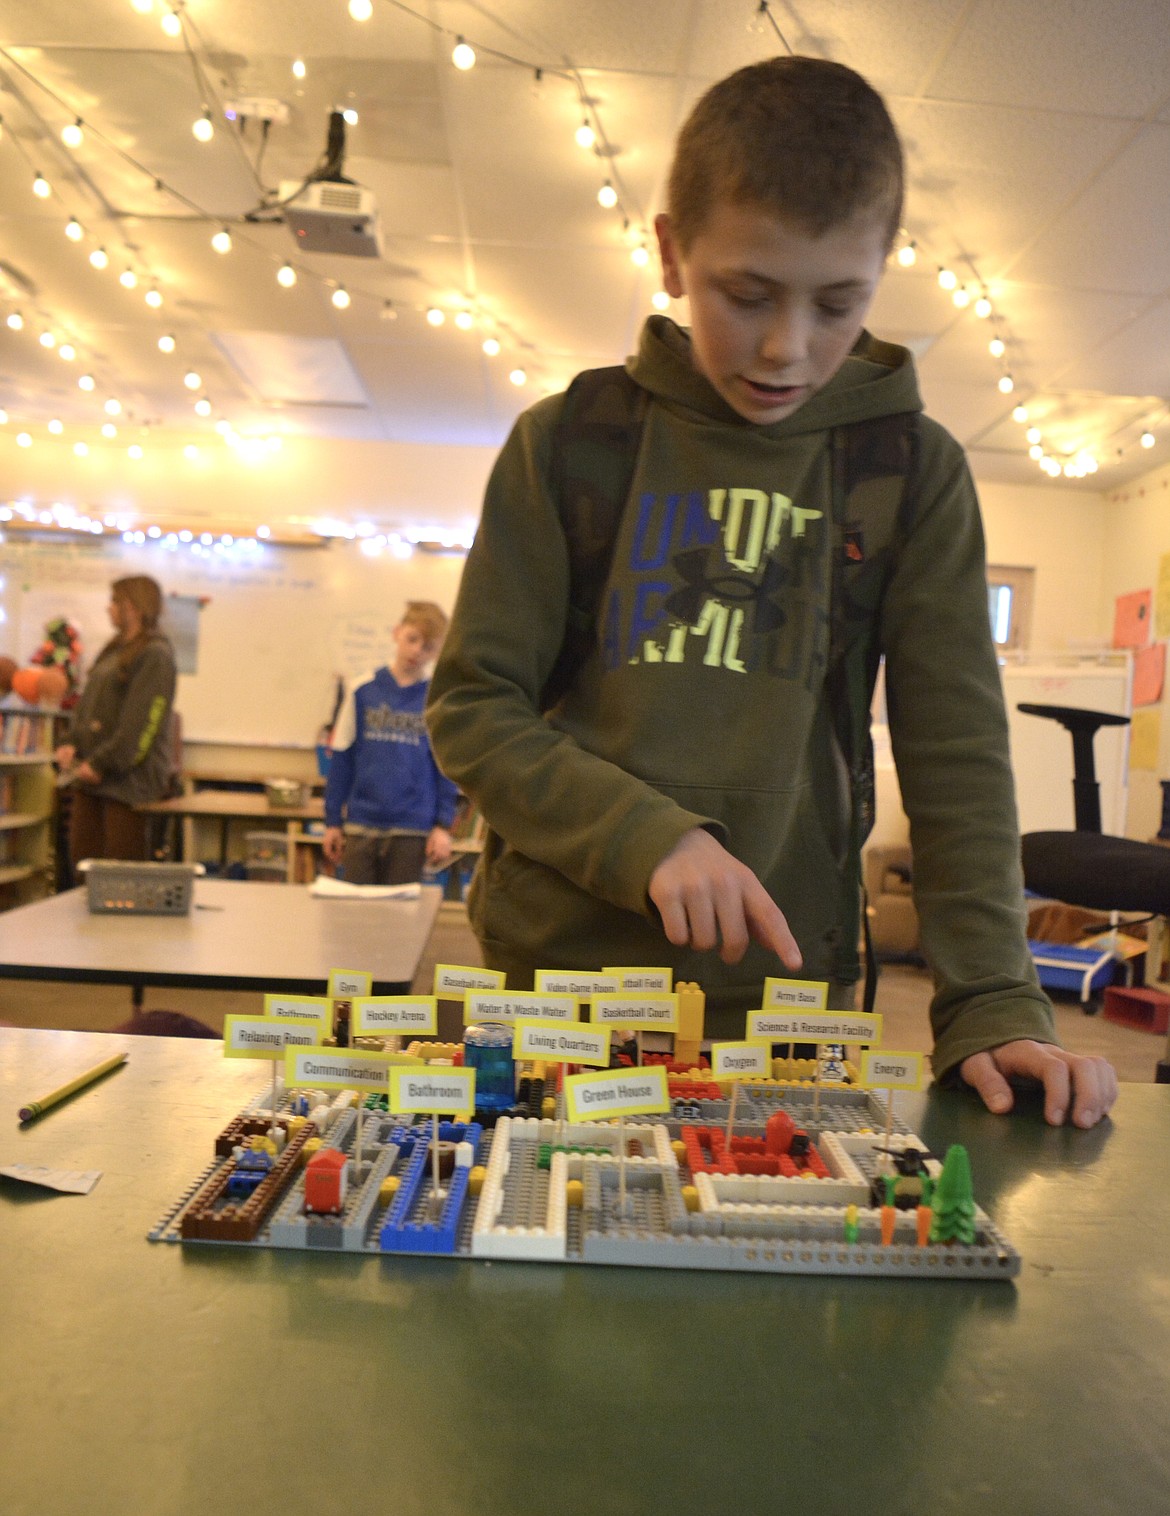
x,y
143,1378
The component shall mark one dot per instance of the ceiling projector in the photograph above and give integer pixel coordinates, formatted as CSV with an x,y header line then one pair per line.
x,y
332,216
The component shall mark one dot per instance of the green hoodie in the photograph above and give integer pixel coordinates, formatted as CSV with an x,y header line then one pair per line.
x,y
703,704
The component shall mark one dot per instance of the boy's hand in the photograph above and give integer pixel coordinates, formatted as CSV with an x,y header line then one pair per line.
x,y
438,846
333,844
708,899
1090,1083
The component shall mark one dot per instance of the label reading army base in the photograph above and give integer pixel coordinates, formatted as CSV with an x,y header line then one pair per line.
x,y
642,1012
510,1005
741,1060
452,982
559,1043
394,1014
576,982
821,1026
802,994
318,1008
891,1071
266,1036
602,1097
444,1091
344,984
337,1069
642,979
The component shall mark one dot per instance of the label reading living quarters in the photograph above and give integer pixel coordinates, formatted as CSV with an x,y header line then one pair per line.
x,y
558,1043
602,1097
394,1014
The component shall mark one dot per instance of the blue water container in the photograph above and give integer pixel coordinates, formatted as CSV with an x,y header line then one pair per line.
x,y
487,1048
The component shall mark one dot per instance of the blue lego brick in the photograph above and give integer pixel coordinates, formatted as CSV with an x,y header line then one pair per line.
x,y
401,1235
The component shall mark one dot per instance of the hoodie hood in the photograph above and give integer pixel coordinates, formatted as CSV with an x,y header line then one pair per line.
x,y
876,379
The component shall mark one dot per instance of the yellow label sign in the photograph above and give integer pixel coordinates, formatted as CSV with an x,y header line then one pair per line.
x,y
629,1092
576,982
801,994
555,1041
891,1071
643,979
445,1091
337,1069
318,1008
344,984
266,1036
453,982
655,1012
740,1060
827,1026
510,1005
394,1014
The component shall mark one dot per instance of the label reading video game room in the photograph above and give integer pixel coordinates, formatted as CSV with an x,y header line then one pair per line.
x,y
446,1091
642,1012
344,984
802,994
571,982
394,1013
266,1036
823,1026
560,1043
510,1005
453,982
891,1071
741,1060
642,979
336,1069
318,1008
632,1092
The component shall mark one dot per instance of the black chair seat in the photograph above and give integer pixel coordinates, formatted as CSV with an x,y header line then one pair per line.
x,y
1101,873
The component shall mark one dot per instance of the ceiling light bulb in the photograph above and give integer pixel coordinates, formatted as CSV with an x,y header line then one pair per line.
x,y
56,427
15,320
41,187
1036,451
128,279
191,453
192,380
946,279
962,298
996,347
1006,384
23,439
222,241
463,56
660,300
113,407
298,68
153,298
1033,434
109,430
72,135
361,10
203,406
983,307
143,7
491,347
639,256
350,116
99,258
607,196
341,297
171,24
74,229
1147,439
48,340
202,128
464,320
518,377
585,135
67,351
435,316
1020,414
908,255
134,451
166,343
81,449
286,275
86,382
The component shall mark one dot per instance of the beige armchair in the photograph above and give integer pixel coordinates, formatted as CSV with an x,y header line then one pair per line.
x,y
893,921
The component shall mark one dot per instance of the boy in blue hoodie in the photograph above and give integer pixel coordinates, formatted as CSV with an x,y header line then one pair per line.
x,y
388,809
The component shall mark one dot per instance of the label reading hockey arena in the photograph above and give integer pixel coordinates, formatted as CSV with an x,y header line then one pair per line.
x,y
573,982
602,1097
827,1026
318,1008
266,1036
560,1043
642,1012
642,979
891,1071
741,1060
446,1091
510,1005
453,982
801,994
394,1014
337,1069
344,984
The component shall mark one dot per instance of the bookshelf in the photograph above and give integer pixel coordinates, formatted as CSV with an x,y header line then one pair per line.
x,y
27,803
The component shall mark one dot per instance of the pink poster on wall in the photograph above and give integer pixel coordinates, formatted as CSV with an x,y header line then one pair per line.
x,y
1149,669
1131,619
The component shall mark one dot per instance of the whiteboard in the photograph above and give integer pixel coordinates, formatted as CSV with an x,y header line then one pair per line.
x,y
1042,751
276,628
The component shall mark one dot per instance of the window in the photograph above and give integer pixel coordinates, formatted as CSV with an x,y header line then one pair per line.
x,y
1009,605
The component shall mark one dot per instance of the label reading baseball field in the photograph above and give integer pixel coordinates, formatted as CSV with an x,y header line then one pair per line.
x,y
453,982
602,1097
573,982
821,1026
642,1012
802,994
510,1005
559,1043
266,1036
373,1014
741,1060
891,1071
318,1008
445,1091
344,984
642,979
336,1069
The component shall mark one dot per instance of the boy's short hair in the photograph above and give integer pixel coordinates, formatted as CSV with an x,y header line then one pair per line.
x,y
430,619
810,140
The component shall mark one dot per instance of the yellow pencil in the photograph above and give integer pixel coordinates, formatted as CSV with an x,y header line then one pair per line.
x,y
38,1107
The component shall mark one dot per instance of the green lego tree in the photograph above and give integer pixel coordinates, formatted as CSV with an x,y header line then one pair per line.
x,y
954,1200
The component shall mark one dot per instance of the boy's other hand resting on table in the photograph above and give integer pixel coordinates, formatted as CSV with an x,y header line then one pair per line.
x,y
1090,1084
708,899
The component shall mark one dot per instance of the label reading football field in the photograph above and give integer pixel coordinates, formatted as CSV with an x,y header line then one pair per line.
x,y
318,1008
802,994
741,1060
337,1069
574,982
447,1091
453,982
266,1036
891,1071
818,1026
560,1043
643,1012
602,1097
642,979
394,1013
510,1005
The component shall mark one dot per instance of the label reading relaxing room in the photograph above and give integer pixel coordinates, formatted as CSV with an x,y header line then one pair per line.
x,y
266,1036
632,1092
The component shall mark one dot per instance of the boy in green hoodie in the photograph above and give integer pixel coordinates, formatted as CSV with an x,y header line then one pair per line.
x,y
688,799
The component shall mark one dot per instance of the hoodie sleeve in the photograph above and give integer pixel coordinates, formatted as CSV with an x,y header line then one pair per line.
x,y
601,827
948,726
142,714
339,780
